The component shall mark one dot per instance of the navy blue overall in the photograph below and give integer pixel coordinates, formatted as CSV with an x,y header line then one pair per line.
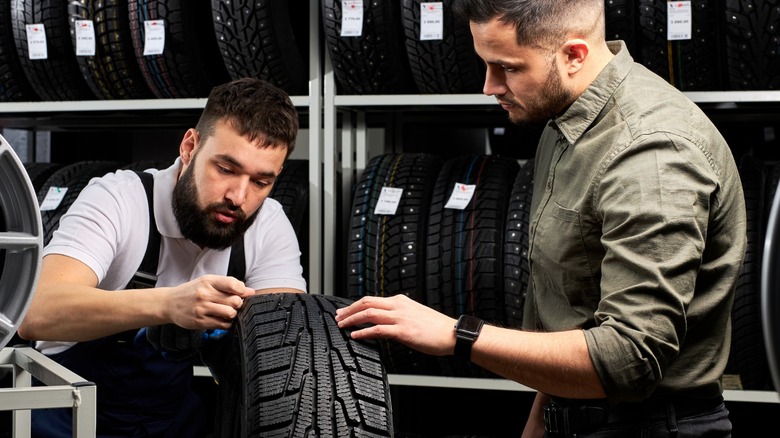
x,y
139,393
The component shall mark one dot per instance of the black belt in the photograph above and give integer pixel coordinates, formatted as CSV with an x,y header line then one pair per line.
x,y
569,417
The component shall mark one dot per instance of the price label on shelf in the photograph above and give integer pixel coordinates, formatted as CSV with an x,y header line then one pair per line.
x,y
431,21
351,18
679,20
36,41
154,37
388,201
461,196
85,38
53,198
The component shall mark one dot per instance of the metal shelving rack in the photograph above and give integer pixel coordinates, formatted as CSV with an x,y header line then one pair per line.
x,y
63,389
328,143
334,148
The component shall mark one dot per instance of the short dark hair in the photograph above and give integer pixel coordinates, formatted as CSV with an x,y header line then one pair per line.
x,y
256,109
538,23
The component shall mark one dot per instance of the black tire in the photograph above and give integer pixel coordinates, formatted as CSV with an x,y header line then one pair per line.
x,y
113,72
258,39
748,357
689,65
39,173
291,189
294,373
751,46
14,86
446,66
75,177
622,23
376,62
190,65
465,248
517,271
387,252
58,77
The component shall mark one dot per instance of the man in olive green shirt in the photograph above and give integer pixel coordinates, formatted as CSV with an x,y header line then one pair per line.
x,y
637,233
637,236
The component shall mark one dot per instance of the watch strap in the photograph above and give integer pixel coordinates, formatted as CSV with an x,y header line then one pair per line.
x,y
467,329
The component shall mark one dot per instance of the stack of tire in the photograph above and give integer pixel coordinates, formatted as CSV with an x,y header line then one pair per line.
x,y
474,260
455,259
732,45
205,44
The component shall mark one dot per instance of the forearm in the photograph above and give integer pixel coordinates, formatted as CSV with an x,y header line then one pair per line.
x,y
68,312
556,363
553,363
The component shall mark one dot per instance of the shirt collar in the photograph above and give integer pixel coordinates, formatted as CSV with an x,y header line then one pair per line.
x,y
164,181
578,118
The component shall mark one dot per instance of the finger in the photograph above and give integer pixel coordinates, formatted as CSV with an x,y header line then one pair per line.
x,y
216,311
232,286
363,304
366,333
375,331
368,316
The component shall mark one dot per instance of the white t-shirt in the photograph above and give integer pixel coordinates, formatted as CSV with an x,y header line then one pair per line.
x,y
107,228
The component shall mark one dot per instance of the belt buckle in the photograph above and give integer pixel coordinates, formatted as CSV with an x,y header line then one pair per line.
x,y
554,419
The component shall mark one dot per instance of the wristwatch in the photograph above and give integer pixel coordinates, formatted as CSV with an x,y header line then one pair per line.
x,y
466,332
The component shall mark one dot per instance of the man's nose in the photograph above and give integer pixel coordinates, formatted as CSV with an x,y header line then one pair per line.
x,y
236,194
495,83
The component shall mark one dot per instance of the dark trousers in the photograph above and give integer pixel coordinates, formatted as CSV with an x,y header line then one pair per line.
x,y
667,419
139,393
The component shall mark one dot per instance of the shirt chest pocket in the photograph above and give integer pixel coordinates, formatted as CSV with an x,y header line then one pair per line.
x,y
563,257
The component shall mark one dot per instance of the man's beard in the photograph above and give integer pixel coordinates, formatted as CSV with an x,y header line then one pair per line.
x,y
548,104
196,223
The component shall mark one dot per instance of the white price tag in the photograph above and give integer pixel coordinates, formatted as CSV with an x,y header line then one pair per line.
x,y
679,20
461,196
36,42
431,21
85,38
53,198
351,18
154,37
388,200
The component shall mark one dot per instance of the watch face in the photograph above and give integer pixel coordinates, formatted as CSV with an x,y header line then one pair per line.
x,y
469,324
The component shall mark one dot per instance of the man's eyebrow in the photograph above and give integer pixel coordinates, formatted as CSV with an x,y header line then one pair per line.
x,y
233,162
500,61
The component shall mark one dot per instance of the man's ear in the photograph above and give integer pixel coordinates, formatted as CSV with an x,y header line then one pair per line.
x,y
188,145
575,52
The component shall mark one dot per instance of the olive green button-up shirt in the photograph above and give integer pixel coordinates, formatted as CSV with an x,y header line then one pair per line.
x,y
637,234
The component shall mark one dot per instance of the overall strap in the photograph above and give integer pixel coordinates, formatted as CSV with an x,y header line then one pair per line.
x,y
237,264
146,275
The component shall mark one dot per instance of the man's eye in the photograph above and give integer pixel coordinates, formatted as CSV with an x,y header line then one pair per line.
x,y
225,170
262,183
508,69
